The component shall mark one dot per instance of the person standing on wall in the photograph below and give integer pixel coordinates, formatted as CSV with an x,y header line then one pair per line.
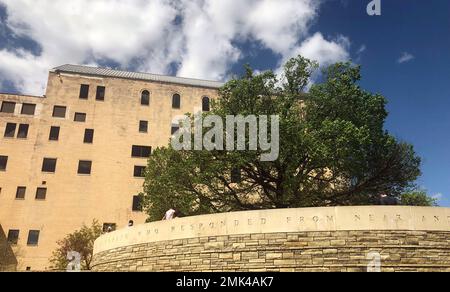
x,y
170,214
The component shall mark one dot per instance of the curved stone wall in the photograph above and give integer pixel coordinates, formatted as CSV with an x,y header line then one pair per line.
x,y
309,239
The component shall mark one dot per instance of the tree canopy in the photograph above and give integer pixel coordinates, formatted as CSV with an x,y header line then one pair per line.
x,y
418,198
334,149
80,241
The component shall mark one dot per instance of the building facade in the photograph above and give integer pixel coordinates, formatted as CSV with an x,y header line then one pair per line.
x,y
77,153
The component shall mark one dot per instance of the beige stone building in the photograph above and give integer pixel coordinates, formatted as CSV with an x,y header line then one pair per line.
x,y
76,154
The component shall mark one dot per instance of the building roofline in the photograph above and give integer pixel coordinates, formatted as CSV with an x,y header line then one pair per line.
x,y
106,72
20,94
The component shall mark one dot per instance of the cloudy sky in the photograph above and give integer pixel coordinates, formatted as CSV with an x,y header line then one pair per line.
x,y
196,38
405,52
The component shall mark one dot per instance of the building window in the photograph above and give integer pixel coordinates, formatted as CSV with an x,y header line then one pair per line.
x,y
137,204
41,193
33,237
3,162
84,167
88,136
143,126
28,109
84,91
109,227
10,130
49,165
20,193
236,176
176,101
139,171
100,93
13,236
80,117
141,151
145,97
59,111
206,107
23,131
54,134
175,129
8,107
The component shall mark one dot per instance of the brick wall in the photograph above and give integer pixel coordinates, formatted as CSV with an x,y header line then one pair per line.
x,y
286,252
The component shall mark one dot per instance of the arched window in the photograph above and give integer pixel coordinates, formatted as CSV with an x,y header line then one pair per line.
x,y
176,101
206,107
145,97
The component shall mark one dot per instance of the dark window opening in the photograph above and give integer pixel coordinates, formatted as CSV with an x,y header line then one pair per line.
x,y
88,136
54,134
236,176
20,193
141,151
100,93
49,165
145,98
109,227
137,204
10,130
80,117
8,107
176,101
23,131
139,171
41,193
84,91
84,167
3,162
143,127
13,236
33,237
206,107
28,109
59,111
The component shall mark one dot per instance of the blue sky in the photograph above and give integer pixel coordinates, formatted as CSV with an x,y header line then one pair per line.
x,y
404,53
419,90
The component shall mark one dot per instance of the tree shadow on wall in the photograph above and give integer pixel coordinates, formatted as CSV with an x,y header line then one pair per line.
x,y
8,261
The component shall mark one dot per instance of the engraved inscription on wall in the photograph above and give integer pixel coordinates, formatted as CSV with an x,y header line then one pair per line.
x,y
287,220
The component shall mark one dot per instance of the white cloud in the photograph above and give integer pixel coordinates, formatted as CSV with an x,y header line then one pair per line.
x,y
405,57
438,196
81,31
325,52
27,72
143,34
361,49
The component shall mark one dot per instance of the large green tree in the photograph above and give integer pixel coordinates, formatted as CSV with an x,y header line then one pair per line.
x,y
334,149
